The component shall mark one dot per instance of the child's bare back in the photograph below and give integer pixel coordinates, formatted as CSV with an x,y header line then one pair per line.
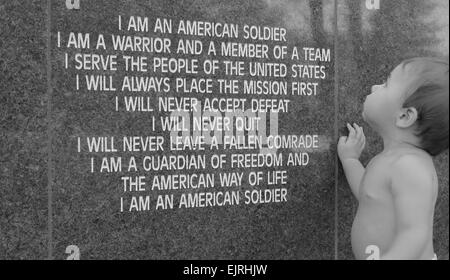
x,y
375,224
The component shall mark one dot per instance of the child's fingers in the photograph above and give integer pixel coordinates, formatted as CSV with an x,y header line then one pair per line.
x,y
358,131
351,130
342,140
362,136
359,134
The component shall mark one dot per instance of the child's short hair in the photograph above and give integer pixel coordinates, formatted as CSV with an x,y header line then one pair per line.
x,y
430,97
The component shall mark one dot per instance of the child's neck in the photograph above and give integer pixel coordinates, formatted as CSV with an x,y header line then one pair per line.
x,y
391,143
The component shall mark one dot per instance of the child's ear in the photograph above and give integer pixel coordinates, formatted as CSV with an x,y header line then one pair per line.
x,y
407,117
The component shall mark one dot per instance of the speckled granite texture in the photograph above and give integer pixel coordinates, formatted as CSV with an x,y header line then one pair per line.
x,y
23,128
84,205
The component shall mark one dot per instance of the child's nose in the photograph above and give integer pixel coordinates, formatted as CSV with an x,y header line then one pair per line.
x,y
374,88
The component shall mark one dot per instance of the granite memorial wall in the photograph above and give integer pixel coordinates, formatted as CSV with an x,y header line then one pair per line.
x,y
194,129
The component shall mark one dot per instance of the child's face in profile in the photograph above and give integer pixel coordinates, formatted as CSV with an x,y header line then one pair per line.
x,y
381,107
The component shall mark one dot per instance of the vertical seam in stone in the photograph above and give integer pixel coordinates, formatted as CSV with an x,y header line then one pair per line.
x,y
336,129
49,136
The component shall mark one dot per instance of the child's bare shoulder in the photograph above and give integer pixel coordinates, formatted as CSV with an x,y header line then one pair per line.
x,y
413,169
412,159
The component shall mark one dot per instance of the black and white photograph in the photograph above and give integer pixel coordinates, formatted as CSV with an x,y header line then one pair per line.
x,y
236,131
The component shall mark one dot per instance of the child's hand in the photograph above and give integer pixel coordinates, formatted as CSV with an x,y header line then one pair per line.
x,y
351,146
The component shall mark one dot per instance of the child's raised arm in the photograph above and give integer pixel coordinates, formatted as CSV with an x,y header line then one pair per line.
x,y
349,151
